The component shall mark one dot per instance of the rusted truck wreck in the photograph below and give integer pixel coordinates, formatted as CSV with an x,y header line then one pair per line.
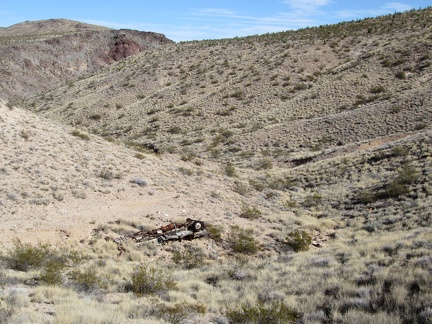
x,y
172,232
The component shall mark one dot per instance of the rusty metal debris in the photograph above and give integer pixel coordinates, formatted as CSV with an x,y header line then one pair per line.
x,y
172,232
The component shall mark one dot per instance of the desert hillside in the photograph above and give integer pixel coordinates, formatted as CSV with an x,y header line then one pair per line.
x,y
307,154
272,95
41,55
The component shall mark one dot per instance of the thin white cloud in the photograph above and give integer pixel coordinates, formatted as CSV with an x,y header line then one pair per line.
x,y
307,4
397,6
387,8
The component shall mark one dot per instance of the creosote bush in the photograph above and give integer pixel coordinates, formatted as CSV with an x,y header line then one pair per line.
x,y
150,280
189,258
87,279
230,170
250,212
259,314
83,136
177,313
24,256
242,240
215,232
299,240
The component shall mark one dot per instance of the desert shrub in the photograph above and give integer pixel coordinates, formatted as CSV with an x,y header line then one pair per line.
x,y
400,75
25,134
400,151
250,212
394,189
52,273
280,183
230,170
242,240
264,164
83,136
140,182
108,174
189,258
261,314
299,240
7,312
377,89
312,200
366,197
77,193
178,313
24,256
149,280
215,232
186,171
241,188
407,174
87,279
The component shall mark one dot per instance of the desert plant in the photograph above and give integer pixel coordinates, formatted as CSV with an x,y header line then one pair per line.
x,y
299,240
215,232
250,212
138,181
83,136
87,278
189,258
25,134
178,313
230,170
52,273
264,164
149,280
108,174
24,256
400,75
242,240
377,89
276,312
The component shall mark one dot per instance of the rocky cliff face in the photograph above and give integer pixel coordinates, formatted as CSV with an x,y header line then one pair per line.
x,y
39,56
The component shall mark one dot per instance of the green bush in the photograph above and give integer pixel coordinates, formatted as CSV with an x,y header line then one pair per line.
x,y
260,314
177,313
190,258
24,256
299,240
250,212
149,280
230,170
52,273
215,232
242,241
87,278
83,136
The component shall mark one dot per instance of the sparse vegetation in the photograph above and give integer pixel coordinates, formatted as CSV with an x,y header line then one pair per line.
x,y
306,153
150,280
242,240
299,240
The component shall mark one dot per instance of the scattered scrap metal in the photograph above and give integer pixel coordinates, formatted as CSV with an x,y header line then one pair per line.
x,y
172,232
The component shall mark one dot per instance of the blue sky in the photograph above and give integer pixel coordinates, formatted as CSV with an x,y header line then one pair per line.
x,y
182,20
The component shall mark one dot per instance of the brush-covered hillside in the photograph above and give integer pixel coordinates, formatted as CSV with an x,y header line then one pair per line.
x,y
273,95
307,154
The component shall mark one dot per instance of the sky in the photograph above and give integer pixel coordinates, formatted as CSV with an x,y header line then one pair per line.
x,y
184,20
